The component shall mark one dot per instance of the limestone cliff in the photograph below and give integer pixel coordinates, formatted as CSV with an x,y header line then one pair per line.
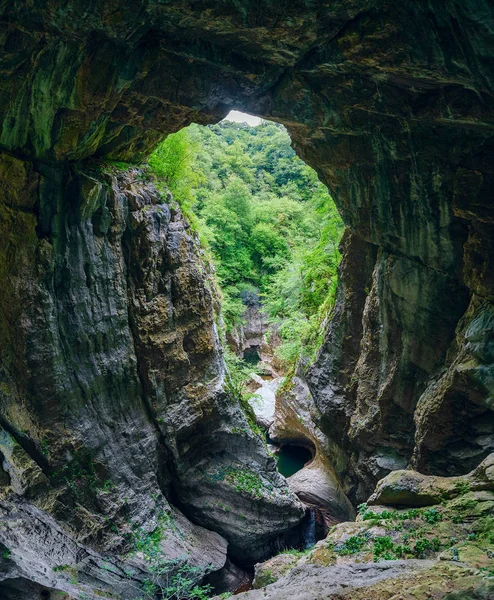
x,y
114,420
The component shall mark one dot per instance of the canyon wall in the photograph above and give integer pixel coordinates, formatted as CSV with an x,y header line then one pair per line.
x,y
111,399
117,437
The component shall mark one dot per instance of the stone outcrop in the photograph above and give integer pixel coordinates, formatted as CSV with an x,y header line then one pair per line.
x,y
444,552
250,334
411,488
317,484
110,369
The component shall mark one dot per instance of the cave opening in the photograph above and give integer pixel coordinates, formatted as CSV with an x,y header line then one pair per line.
x,y
391,102
251,355
292,458
272,232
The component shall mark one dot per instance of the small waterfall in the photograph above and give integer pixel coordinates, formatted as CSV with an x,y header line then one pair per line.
x,y
310,530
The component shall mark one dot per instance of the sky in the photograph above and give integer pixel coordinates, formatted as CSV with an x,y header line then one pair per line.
x,y
240,117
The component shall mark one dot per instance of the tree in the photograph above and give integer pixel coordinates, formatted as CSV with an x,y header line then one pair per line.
x,y
269,221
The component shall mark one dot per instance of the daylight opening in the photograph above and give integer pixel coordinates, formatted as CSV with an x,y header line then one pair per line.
x,y
271,230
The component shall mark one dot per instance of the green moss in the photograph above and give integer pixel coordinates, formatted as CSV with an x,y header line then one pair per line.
x,y
247,482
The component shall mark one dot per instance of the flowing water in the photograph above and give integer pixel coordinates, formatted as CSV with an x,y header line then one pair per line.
x,y
310,530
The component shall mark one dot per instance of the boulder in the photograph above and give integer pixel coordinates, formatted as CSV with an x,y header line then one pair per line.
x,y
409,488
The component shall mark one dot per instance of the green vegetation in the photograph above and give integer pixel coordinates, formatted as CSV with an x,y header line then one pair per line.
x,y
269,223
81,477
353,545
244,481
171,581
61,568
238,373
383,548
149,542
431,515
297,553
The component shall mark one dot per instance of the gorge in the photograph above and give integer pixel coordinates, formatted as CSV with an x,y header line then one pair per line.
x,y
128,467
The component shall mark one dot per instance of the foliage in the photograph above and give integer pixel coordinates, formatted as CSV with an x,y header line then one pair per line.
x,y
269,222
81,477
169,583
296,553
149,542
353,545
383,548
432,516
238,373
462,487
246,482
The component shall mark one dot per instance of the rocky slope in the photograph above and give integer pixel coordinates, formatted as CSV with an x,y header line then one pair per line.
x,y
110,373
396,551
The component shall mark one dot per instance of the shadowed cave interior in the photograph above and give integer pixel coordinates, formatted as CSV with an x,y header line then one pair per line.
x,y
128,466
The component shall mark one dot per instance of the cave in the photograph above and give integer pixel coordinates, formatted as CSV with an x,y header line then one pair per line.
x,y
108,318
292,458
251,355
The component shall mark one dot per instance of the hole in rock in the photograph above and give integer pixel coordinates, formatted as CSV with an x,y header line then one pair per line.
x,y
251,355
292,459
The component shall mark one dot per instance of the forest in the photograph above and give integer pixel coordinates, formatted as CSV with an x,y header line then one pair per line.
x,y
269,225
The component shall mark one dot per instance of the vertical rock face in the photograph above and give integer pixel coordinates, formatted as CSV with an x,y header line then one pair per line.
x,y
113,411
110,371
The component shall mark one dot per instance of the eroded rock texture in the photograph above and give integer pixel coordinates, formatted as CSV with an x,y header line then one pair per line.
x,y
109,360
115,421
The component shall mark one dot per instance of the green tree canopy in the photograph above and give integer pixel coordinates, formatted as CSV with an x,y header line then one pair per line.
x,y
267,219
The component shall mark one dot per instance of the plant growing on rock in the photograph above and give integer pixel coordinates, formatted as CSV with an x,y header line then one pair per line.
x,y
247,482
353,545
169,583
384,548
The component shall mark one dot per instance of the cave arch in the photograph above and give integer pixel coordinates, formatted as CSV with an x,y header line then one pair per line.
x,y
411,182
391,104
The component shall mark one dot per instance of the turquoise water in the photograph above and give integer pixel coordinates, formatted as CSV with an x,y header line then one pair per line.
x,y
292,458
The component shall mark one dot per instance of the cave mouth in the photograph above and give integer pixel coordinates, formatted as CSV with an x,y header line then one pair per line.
x,y
251,355
292,458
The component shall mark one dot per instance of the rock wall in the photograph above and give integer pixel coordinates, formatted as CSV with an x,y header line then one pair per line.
x,y
111,368
114,421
